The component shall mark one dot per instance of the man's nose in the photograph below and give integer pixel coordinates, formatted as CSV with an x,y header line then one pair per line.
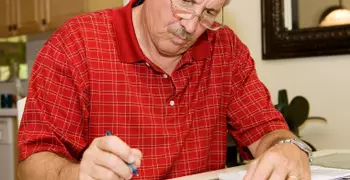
x,y
190,24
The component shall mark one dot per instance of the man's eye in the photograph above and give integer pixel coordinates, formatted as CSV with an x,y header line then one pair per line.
x,y
211,13
187,1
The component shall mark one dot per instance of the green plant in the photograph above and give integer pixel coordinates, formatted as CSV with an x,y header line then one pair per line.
x,y
13,56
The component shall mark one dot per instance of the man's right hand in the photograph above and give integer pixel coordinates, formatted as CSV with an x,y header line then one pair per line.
x,y
106,159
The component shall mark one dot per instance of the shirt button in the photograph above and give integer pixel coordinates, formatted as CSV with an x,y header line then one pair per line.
x,y
147,64
165,76
172,103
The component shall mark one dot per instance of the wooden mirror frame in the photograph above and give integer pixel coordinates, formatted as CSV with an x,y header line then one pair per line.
x,y
280,43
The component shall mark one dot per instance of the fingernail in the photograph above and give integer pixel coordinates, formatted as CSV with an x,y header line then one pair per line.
x,y
132,159
130,176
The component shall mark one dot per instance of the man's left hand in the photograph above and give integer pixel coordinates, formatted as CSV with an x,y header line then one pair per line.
x,y
280,162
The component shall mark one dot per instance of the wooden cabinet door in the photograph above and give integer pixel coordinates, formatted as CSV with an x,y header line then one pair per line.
x,y
5,18
95,5
29,16
58,11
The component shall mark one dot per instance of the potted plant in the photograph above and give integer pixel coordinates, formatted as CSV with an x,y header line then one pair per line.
x,y
11,56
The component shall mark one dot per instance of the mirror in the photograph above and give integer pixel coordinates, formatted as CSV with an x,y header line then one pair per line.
x,y
304,28
315,13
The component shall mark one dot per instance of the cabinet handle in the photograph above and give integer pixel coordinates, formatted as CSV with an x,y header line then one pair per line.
x,y
15,27
41,6
10,28
43,22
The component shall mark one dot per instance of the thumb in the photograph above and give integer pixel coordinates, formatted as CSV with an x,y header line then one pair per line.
x,y
251,169
138,155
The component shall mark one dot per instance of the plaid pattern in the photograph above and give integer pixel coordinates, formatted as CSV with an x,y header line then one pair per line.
x,y
91,76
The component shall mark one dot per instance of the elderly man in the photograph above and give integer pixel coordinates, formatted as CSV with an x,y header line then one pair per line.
x,y
168,80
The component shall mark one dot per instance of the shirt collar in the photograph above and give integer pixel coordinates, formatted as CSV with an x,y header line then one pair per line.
x,y
201,48
128,47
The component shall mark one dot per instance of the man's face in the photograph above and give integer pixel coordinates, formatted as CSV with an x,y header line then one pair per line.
x,y
172,36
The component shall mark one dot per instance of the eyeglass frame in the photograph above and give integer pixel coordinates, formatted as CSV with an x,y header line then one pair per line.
x,y
200,17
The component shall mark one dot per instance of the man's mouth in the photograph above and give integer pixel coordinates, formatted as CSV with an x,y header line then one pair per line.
x,y
181,33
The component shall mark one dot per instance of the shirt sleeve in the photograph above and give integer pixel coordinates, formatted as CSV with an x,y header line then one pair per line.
x,y
56,112
250,110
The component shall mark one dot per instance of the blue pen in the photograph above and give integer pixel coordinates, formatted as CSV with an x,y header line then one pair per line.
x,y
132,167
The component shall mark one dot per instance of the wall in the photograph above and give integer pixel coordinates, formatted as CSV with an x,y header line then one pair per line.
x,y
34,44
324,81
125,1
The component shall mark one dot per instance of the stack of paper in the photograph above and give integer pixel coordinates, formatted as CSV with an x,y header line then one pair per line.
x,y
317,173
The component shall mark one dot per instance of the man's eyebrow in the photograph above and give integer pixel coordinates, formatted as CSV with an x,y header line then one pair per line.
x,y
208,9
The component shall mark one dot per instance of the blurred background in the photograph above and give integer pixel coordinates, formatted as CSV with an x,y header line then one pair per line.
x,y
324,81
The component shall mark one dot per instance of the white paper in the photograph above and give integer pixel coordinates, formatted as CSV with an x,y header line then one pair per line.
x,y
317,173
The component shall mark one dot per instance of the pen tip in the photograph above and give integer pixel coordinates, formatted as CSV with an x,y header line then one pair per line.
x,y
108,133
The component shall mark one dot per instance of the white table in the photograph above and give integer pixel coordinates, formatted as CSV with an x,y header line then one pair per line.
x,y
215,174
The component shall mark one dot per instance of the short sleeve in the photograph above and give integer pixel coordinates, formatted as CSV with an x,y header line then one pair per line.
x,y
250,110
56,112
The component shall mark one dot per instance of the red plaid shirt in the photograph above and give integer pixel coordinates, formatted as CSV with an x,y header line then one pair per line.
x,y
91,76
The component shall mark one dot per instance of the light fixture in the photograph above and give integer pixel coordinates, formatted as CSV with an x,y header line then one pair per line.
x,y
336,15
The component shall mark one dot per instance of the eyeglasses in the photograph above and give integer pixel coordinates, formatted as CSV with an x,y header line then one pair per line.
x,y
207,19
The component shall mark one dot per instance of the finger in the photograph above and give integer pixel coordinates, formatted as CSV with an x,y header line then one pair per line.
x,y
279,174
116,146
303,174
113,163
251,170
294,170
263,170
137,163
99,172
85,177
137,153
305,170
306,173
293,178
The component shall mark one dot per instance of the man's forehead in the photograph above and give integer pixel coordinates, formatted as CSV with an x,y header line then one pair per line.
x,y
209,1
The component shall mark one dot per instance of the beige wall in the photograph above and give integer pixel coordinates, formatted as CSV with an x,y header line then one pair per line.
x,y
125,1
324,81
310,11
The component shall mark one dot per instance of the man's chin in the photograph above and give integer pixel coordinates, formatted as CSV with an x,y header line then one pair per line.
x,y
171,52
170,48
179,41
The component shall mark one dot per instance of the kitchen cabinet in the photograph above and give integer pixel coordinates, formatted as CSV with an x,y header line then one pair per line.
x,y
19,17
28,16
58,11
5,17
95,5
